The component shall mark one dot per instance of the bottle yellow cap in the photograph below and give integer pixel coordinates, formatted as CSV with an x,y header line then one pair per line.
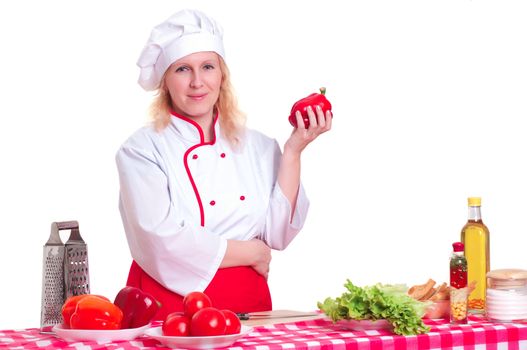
x,y
474,201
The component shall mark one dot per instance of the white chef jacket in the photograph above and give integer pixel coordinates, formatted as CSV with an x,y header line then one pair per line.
x,y
181,199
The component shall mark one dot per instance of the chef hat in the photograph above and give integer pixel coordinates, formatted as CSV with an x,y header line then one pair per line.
x,y
182,34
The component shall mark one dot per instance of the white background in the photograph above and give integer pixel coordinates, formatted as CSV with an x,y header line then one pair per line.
x,y
428,98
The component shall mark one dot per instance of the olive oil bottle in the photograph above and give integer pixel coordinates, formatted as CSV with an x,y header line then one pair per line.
x,y
475,236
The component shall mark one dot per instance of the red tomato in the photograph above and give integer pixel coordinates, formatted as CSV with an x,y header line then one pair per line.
x,y
195,301
232,322
176,324
207,321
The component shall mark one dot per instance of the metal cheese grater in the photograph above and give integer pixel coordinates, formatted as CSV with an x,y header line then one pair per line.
x,y
76,276
65,272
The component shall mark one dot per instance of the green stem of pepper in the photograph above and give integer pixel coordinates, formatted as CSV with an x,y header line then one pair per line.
x,y
323,90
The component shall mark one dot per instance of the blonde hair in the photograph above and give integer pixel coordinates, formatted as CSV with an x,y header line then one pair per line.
x,y
231,118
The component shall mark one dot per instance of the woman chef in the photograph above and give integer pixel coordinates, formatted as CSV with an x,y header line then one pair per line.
x,y
202,198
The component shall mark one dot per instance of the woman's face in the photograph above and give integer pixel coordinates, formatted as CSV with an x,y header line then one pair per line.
x,y
193,83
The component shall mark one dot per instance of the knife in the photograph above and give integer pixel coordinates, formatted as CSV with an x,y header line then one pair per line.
x,y
275,314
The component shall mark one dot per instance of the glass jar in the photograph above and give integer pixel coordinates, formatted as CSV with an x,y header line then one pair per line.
x,y
506,295
458,284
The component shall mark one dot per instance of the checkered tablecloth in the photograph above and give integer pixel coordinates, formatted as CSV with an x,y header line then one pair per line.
x,y
318,334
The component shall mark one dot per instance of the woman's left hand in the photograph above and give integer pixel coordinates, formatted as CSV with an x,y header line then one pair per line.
x,y
318,124
289,172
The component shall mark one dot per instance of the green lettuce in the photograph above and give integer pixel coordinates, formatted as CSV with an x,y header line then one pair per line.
x,y
389,301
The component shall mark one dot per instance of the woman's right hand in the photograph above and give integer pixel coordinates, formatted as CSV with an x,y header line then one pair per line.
x,y
254,253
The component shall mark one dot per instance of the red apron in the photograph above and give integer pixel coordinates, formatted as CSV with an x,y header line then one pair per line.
x,y
240,289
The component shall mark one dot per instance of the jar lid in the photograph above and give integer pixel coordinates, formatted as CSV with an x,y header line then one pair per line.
x,y
458,246
474,201
508,274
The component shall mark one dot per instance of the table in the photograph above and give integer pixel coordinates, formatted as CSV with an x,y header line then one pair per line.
x,y
316,334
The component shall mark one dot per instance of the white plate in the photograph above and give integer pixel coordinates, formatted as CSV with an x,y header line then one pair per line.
x,y
508,298
98,335
219,341
506,316
521,292
507,308
364,325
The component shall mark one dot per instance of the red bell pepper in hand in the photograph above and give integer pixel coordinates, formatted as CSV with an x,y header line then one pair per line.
x,y
312,100
94,312
69,306
139,308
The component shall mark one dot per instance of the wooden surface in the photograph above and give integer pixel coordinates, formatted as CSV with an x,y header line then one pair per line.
x,y
281,316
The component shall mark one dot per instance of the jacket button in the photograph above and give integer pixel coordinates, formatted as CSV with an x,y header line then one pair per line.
x,y
242,198
195,156
222,155
212,202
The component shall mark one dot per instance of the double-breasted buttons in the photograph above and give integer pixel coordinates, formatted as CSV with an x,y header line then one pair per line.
x,y
212,202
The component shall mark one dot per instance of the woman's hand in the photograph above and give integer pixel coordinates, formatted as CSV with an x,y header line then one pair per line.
x,y
301,137
289,172
254,253
261,256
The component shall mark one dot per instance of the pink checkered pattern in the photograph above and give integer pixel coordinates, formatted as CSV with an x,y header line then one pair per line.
x,y
316,335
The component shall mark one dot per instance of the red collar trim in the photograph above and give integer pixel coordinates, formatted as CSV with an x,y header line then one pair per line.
x,y
198,127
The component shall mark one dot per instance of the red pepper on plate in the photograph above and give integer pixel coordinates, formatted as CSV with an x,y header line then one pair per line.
x,y
139,308
94,312
313,100
69,306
